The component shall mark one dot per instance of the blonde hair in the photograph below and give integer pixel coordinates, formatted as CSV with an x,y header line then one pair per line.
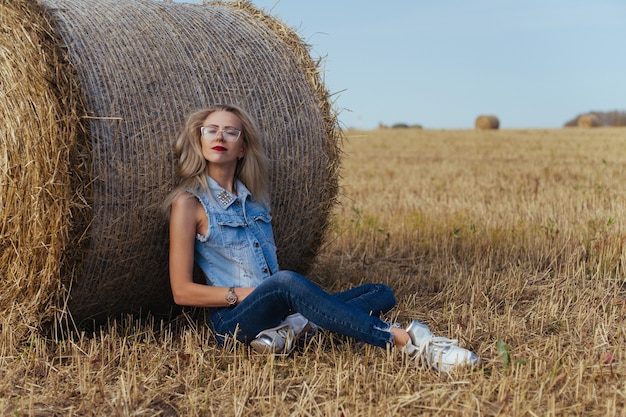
x,y
252,170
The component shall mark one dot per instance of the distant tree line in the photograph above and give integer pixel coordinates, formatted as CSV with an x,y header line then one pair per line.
x,y
400,126
611,118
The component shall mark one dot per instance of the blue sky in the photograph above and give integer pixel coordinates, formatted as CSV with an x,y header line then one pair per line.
x,y
533,63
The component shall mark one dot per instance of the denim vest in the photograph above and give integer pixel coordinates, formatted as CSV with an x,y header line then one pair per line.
x,y
239,248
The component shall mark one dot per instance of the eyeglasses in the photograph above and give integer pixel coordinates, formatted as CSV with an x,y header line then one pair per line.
x,y
229,134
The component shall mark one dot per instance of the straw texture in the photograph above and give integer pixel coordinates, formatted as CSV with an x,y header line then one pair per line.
x,y
87,155
487,122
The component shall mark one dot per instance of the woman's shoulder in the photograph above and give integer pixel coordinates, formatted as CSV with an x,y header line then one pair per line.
x,y
185,200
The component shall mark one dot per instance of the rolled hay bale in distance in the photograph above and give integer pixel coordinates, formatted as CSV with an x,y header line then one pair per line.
x,y
487,122
93,95
588,120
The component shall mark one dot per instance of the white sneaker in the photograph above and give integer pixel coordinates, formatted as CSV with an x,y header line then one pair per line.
x,y
279,339
439,353
299,323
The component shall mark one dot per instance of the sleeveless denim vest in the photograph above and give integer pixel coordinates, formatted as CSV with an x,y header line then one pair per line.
x,y
239,248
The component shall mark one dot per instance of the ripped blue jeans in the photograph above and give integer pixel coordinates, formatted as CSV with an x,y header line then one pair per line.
x,y
352,313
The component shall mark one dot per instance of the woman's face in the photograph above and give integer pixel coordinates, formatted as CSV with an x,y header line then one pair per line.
x,y
218,131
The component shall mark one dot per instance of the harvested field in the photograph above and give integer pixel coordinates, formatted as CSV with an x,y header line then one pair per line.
x,y
510,241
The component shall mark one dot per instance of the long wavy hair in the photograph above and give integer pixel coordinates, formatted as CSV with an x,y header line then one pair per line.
x,y
252,169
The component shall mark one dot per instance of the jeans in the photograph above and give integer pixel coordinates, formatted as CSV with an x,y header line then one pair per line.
x,y
346,313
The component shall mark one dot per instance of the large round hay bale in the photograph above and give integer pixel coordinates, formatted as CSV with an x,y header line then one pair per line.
x,y
93,94
588,120
487,122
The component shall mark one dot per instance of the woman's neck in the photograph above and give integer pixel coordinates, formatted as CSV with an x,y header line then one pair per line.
x,y
224,178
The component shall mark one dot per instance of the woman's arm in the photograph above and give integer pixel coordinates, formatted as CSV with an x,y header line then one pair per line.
x,y
186,214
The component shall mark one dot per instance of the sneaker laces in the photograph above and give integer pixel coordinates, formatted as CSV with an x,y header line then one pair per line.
x,y
283,332
286,333
424,352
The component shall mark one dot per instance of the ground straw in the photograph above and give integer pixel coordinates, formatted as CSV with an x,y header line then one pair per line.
x,y
510,241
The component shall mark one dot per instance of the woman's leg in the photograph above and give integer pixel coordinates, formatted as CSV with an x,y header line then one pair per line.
x,y
288,291
374,299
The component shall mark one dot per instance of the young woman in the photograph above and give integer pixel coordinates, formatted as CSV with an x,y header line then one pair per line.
x,y
220,219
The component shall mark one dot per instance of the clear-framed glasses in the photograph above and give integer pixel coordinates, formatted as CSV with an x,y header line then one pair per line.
x,y
230,134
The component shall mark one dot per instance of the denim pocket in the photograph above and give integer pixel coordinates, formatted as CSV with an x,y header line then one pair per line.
x,y
263,224
231,230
